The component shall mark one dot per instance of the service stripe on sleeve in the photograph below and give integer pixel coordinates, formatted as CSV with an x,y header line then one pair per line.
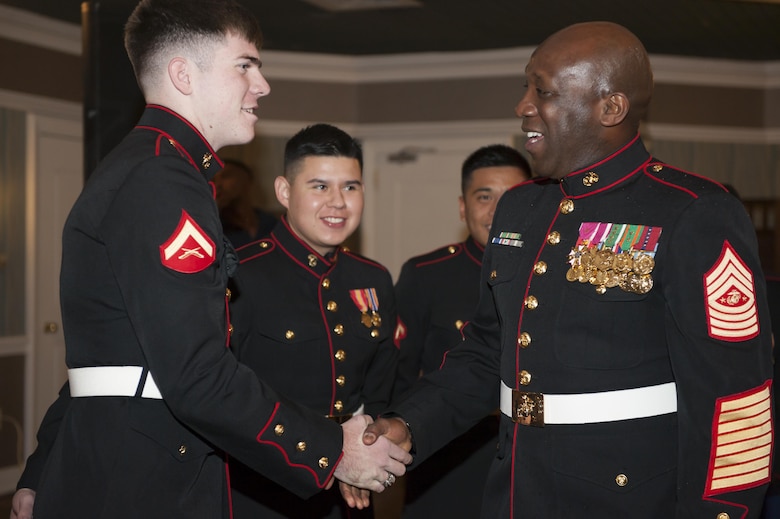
x,y
742,442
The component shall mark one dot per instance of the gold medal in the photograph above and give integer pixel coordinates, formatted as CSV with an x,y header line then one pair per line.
x,y
643,264
365,319
376,320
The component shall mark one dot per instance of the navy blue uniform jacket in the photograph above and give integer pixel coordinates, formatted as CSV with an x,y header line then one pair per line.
x,y
702,324
143,283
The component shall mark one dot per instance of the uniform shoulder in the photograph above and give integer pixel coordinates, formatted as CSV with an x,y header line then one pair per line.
x,y
255,249
436,256
361,260
674,178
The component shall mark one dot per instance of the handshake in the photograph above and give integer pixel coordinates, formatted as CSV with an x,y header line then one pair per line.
x,y
374,454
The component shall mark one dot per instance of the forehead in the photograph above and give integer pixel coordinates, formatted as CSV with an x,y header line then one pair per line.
x,y
236,47
326,168
496,177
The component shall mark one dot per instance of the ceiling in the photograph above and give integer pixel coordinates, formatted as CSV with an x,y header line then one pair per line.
x,y
731,29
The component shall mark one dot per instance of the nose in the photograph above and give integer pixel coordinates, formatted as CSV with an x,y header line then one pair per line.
x,y
260,86
337,199
525,108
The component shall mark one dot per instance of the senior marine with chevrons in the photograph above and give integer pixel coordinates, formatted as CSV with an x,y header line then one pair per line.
x,y
623,325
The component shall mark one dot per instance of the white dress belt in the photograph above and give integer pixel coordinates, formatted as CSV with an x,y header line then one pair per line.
x,y
111,381
607,406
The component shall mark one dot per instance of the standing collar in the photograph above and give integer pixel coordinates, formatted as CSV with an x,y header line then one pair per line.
x,y
474,250
184,136
300,252
608,172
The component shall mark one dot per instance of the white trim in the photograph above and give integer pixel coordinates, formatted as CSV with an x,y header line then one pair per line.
x,y
40,31
395,67
40,105
31,311
24,26
715,72
724,134
454,129
9,476
13,345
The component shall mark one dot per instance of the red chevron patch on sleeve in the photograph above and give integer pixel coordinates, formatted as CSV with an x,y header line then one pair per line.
x,y
730,298
189,249
400,333
742,436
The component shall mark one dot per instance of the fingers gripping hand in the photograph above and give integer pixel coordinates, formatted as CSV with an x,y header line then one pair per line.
x,y
22,504
393,429
355,497
368,466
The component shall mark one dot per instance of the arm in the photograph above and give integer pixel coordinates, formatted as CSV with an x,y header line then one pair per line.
x,y
411,329
721,360
24,498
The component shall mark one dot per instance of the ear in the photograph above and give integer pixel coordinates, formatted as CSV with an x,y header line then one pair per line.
x,y
179,74
615,109
462,208
282,190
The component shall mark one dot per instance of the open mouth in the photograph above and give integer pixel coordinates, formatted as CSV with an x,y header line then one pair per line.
x,y
534,136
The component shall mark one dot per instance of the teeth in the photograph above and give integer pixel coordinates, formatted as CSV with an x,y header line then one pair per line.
x,y
249,110
531,135
333,219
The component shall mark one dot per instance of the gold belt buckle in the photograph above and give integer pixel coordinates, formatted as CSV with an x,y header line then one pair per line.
x,y
528,408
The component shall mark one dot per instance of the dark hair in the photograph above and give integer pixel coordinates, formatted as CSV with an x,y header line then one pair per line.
x,y
319,140
156,25
491,156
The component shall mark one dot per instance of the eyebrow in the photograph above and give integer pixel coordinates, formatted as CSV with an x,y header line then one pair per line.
x,y
321,181
252,59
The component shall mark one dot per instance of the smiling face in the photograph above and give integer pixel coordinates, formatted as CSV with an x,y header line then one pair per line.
x,y
324,200
560,111
481,195
588,87
225,92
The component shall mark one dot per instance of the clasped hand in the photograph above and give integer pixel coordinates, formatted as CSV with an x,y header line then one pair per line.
x,y
374,454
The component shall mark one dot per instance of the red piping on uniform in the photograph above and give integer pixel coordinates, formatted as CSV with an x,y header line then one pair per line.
x,y
185,121
229,488
457,246
330,342
673,186
284,453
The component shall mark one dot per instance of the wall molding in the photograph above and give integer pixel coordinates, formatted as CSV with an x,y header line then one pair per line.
x,y
715,134
24,26
455,129
40,31
40,105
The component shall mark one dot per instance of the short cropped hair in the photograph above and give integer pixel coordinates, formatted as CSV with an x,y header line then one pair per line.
x,y
319,140
495,155
155,26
